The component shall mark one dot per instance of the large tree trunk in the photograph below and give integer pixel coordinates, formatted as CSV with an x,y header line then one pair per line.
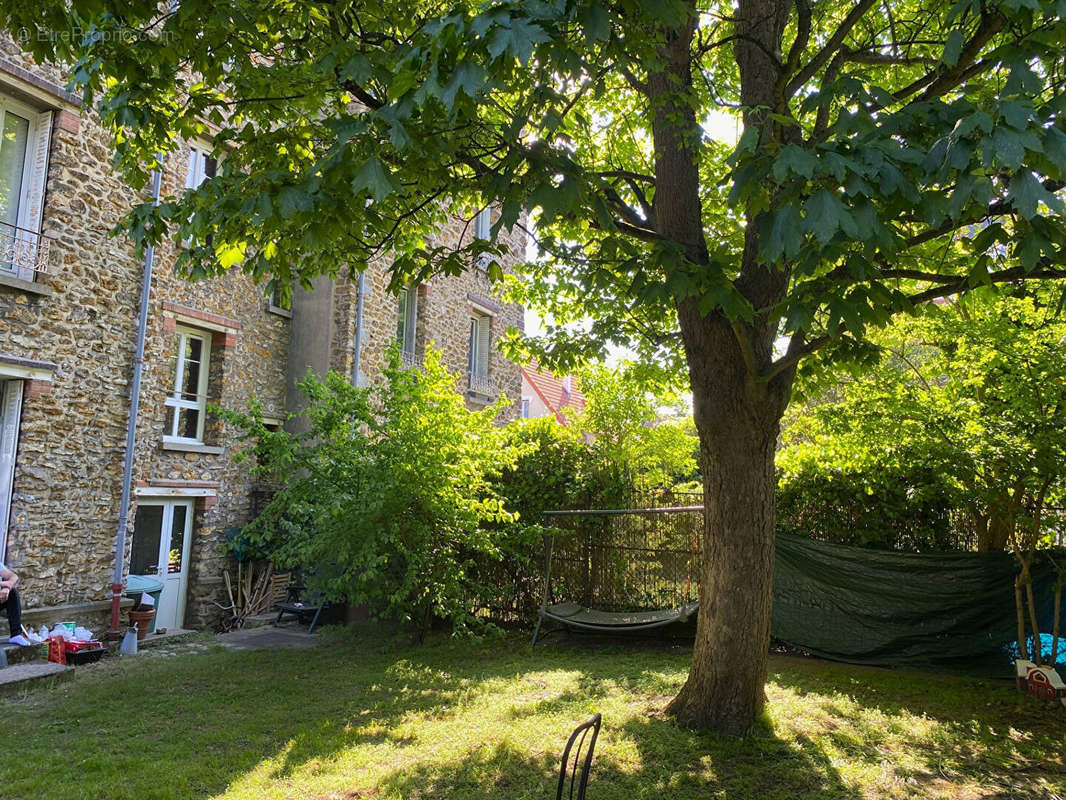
x,y
736,404
738,421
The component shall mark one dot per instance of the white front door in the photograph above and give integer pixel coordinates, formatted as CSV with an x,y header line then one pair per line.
x,y
162,532
10,411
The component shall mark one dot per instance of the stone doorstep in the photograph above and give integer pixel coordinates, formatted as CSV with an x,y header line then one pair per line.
x,y
23,655
32,676
259,620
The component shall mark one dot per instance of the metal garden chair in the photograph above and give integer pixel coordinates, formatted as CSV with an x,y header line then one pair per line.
x,y
583,738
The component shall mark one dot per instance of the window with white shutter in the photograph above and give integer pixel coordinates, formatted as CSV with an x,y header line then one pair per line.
x,y
10,412
483,224
25,137
201,167
480,343
407,325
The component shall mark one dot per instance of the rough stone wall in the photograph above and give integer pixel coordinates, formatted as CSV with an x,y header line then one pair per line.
x,y
69,463
69,459
245,363
444,310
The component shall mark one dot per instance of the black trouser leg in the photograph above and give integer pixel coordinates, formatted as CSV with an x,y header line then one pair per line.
x,y
14,612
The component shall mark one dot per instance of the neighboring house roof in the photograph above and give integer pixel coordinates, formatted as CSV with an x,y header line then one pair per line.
x,y
556,393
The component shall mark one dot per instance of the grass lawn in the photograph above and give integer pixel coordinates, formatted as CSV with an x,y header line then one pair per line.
x,y
365,718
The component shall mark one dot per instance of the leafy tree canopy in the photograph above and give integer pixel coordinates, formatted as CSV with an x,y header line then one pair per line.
x,y
350,128
974,391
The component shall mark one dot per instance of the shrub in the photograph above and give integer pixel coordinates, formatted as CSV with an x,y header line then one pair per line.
x,y
387,497
896,502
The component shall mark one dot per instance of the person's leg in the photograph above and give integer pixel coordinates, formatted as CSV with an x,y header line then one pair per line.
x,y
14,613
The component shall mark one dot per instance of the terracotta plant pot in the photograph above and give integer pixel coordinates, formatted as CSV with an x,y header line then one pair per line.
x,y
143,620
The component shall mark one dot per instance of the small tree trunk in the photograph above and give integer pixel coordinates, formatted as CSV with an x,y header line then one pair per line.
x,y
1056,623
1000,529
980,526
1019,608
1038,645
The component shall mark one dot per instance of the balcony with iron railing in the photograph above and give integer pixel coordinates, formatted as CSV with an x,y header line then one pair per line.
x,y
482,384
24,253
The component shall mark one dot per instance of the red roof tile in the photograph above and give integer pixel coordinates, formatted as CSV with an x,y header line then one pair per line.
x,y
556,393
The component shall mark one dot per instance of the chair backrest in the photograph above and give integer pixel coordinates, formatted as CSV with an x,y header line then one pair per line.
x,y
582,740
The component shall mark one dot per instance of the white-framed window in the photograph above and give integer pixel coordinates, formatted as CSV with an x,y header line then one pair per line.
x,y
407,324
25,135
480,341
187,403
483,224
276,301
526,402
201,166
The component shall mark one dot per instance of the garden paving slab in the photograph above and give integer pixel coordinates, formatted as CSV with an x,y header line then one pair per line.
x,y
268,638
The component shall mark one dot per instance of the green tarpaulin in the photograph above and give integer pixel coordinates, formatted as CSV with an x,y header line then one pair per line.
x,y
901,609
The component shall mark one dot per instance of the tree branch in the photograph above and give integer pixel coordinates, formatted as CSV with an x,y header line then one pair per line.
x,y
830,48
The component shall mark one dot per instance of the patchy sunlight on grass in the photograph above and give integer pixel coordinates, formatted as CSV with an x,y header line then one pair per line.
x,y
362,717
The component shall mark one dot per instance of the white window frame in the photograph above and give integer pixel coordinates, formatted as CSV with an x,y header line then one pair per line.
x,y
199,155
10,420
175,400
408,299
527,403
480,345
483,224
31,194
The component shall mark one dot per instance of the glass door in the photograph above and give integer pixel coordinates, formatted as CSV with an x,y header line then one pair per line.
x,y
161,536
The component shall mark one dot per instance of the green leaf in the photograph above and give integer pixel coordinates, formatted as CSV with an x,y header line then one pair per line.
x,y
794,160
786,235
1027,193
1009,147
292,199
953,48
822,215
373,179
597,23
1055,147
1015,114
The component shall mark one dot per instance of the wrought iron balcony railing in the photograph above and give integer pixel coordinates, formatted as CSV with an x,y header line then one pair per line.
x,y
410,360
482,384
23,252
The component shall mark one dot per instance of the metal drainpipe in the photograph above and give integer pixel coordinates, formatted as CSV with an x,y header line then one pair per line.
x,y
131,427
357,355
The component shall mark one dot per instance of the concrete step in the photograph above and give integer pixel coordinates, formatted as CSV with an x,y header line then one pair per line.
x,y
22,655
34,675
172,636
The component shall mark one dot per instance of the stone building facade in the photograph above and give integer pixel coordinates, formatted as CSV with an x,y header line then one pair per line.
x,y
69,302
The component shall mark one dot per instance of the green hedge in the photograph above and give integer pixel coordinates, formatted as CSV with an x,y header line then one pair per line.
x,y
891,504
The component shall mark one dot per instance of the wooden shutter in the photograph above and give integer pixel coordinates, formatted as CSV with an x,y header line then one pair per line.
x,y
191,177
37,152
10,411
28,244
483,343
